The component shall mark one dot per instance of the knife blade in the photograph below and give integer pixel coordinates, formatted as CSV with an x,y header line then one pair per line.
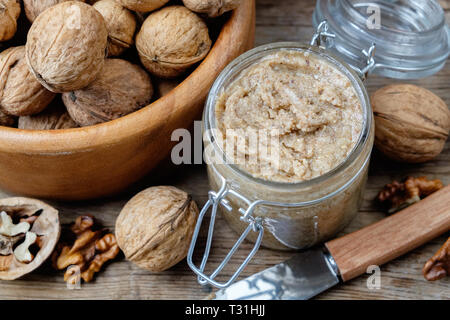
x,y
301,277
311,272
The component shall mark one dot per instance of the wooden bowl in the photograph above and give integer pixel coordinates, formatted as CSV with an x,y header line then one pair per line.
x,y
96,161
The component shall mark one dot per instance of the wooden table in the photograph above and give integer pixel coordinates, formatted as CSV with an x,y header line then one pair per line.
x,y
400,279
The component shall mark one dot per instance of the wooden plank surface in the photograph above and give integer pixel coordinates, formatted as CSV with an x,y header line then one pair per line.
x,y
400,279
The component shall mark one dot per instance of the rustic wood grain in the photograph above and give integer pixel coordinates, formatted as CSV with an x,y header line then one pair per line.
x,y
393,236
400,279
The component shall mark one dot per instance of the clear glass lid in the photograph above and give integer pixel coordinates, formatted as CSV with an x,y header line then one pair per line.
x,y
411,36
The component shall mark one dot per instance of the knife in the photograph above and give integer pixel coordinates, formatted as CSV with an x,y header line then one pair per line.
x,y
311,272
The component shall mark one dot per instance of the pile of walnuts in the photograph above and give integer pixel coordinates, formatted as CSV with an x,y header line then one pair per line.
x,y
68,73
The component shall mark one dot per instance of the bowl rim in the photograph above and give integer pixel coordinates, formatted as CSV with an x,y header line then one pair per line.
x,y
145,120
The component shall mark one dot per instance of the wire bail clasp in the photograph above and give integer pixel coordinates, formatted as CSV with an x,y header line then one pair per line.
x,y
322,36
370,61
254,224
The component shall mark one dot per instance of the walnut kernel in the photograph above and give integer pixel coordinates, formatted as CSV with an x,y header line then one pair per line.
x,y
438,266
398,195
38,224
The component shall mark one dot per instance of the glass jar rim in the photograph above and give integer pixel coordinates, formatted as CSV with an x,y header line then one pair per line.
x,y
252,56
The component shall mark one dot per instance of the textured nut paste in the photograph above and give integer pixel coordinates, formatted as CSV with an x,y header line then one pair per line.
x,y
310,105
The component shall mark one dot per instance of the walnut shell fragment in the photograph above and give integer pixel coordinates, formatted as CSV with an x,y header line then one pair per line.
x,y
212,8
121,25
412,123
55,117
121,88
9,13
171,40
20,93
155,227
142,5
44,222
33,8
72,52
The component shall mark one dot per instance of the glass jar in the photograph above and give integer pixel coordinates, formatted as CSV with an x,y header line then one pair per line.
x,y
280,215
412,38
294,215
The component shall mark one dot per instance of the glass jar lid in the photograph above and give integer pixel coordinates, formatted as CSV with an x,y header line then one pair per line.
x,y
411,36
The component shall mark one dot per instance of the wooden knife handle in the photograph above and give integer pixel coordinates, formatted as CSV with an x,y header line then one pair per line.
x,y
392,237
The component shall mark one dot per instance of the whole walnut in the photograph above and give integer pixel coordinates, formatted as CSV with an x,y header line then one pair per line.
x,y
9,13
6,120
411,123
33,8
66,46
20,93
212,8
120,88
171,40
142,5
155,227
121,25
55,117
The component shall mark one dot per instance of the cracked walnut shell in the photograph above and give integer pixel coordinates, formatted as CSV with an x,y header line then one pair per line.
x,y
121,25
33,8
212,8
142,5
155,227
20,93
411,123
171,40
66,46
9,13
120,88
44,230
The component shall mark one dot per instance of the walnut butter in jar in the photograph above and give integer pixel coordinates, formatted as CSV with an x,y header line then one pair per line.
x,y
288,132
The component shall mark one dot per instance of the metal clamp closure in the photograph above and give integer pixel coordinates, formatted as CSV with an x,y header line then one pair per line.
x,y
321,38
254,224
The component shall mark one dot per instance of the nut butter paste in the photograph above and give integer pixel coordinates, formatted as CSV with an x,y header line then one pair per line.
x,y
308,104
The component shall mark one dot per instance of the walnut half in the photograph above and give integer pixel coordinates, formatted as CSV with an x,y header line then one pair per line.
x,y
29,231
